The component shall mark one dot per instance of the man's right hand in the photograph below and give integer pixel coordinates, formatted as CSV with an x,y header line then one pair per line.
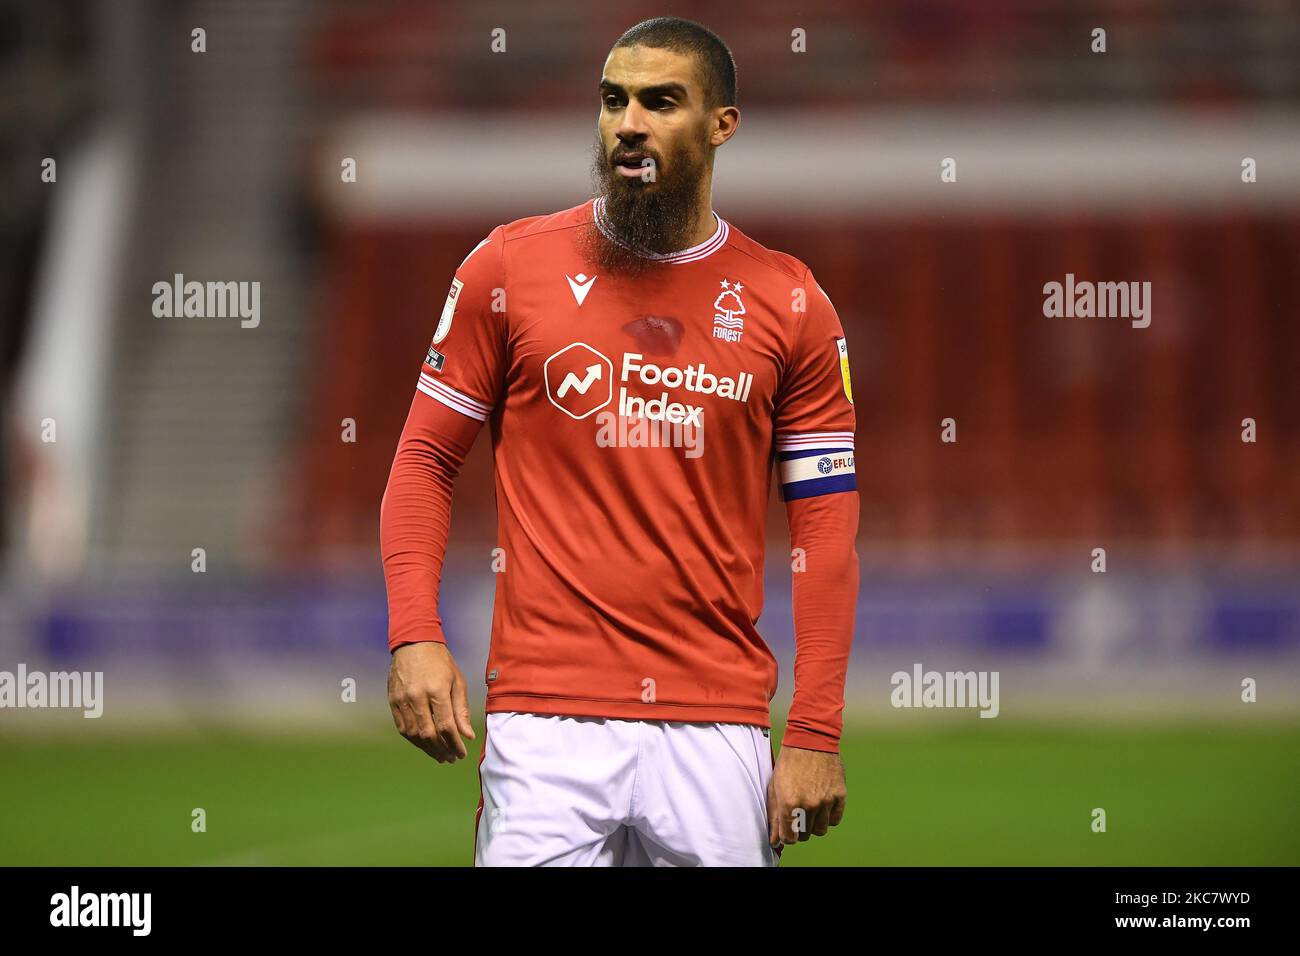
x,y
426,693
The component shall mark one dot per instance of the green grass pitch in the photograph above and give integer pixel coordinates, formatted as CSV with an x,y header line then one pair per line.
x,y
948,795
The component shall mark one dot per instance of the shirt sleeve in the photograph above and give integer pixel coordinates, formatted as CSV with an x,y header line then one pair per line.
x,y
460,382
465,365
814,451
814,419
825,594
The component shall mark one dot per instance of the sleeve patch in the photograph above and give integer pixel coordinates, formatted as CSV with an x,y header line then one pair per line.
x,y
448,311
843,347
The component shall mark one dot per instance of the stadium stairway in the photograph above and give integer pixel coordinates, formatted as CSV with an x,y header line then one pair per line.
x,y
199,408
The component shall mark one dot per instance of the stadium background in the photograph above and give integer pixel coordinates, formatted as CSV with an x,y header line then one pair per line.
x,y
1119,690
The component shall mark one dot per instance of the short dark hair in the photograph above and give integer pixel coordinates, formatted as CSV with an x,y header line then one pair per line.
x,y
717,65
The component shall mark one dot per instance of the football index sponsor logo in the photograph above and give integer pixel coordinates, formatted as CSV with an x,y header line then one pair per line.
x,y
692,378
579,380
571,380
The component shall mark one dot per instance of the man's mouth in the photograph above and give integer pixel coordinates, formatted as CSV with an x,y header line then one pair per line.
x,y
632,164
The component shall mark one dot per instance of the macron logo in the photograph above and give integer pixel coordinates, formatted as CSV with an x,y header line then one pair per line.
x,y
580,286
581,384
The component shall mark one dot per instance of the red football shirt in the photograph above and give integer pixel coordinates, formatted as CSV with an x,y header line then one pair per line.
x,y
635,423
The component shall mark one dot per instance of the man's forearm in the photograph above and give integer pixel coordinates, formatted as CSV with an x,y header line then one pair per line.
x,y
825,606
415,517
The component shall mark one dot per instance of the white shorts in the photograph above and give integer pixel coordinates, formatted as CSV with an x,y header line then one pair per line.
x,y
590,791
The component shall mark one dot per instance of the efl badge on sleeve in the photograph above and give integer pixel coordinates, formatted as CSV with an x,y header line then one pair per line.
x,y
448,311
843,346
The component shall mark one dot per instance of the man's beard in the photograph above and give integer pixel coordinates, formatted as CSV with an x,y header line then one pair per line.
x,y
649,219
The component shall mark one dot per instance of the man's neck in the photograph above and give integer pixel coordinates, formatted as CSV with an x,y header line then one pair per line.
x,y
705,223
706,226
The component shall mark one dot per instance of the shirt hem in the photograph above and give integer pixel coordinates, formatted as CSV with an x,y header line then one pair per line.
x,y
628,710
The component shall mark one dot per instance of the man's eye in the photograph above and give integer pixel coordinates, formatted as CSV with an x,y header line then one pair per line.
x,y
610,101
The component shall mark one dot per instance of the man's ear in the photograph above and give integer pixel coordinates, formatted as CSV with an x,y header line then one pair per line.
x,y
725,122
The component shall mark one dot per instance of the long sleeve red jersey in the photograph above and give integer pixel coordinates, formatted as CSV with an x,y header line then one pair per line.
x,y
635,422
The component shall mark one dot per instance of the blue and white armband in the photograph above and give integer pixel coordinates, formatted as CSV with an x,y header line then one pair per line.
x,y
815,463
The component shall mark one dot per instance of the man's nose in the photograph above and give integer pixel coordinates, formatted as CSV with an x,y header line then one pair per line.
x,y
632,126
